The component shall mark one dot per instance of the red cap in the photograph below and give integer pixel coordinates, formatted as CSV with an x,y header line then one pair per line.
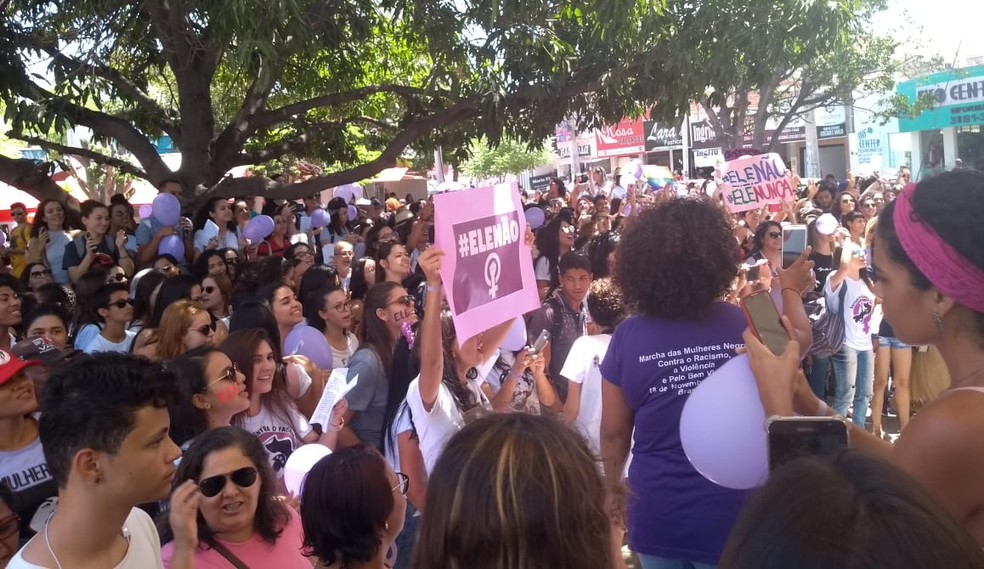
x,y
11,366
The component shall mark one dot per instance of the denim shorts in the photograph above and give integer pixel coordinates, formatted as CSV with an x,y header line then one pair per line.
x,y
892,343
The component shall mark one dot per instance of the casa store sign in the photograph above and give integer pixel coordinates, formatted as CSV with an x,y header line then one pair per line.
x,y
627,137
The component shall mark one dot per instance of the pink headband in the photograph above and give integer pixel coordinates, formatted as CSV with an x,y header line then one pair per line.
x,y
949,271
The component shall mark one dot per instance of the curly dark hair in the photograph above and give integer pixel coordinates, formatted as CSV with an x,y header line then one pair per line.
x,y
605,304
952,205
677,259
598,249
758,238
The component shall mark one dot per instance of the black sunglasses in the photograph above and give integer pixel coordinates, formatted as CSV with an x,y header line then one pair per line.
x,y
42,273
118,277
122,303
206,329
211,486
209,289
775,235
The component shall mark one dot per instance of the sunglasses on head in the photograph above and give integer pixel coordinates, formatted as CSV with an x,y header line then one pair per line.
x,y
211,486
121,303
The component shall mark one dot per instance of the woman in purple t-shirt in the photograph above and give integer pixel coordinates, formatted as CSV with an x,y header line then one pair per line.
x,y
681,334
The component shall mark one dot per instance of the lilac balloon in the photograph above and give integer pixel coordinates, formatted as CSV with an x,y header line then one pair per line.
x,y
3,238
353,213
146,211
516,338
166,210
319,218
173,246
722,428
309,342
535,218
258,228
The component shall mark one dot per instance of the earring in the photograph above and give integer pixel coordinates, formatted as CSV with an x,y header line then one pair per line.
x,y
938,321
208,405
386,526
472,373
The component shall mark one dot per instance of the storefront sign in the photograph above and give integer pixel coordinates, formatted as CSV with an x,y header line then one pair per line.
x,y
564,151
662,136
627,137
702,135
540,183
958,95
832,131
708,157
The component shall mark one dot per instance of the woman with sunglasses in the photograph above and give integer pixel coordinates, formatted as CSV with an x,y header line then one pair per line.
x,y
241,522
211,390
767,245
217,298
172,290
184,327
333,318
35,276
114,310
116,275
301,257
844,203
272,414
352,509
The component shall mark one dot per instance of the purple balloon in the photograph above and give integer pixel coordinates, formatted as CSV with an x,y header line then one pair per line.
x,y
146,211
166,210
173,246
3,238
722,427
319,218
535,218
353,213
309,342
258,228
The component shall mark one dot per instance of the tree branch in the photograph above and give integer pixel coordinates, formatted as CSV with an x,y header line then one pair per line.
x,y
31,177
258,186
287,112
106,125
114,77
98,157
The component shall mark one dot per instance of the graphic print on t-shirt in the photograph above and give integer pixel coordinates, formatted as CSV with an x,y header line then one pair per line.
x,y
279,445
862,311
688,366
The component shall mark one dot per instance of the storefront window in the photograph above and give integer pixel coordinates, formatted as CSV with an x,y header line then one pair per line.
x,y
931,154
970,146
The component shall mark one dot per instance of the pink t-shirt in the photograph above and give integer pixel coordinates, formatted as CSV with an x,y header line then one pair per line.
x,y
285,554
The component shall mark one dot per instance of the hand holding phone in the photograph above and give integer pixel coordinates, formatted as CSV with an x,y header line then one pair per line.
x,y
793,437
541,342
765,321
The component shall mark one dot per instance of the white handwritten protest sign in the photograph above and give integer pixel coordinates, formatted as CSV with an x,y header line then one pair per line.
x,y
487,268
751,182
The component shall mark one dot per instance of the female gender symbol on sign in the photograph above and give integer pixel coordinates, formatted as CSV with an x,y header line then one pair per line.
x,y
492,270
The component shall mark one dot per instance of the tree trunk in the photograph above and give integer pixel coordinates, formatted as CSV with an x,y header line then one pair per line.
x,y
33,178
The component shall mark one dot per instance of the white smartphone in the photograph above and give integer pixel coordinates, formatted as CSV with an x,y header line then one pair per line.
x,y
793,244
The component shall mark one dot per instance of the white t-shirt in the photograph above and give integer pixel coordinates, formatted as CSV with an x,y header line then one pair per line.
x,y
144,551
101,344
280,440
858,309
211,229
435,428
542,269
582,366
619,192
401,424
340,358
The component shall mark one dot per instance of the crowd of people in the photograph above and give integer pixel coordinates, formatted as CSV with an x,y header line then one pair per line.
x,y
149,403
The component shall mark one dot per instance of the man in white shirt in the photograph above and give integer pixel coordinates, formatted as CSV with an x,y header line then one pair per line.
x,y
104,430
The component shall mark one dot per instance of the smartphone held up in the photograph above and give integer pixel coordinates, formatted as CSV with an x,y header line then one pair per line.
x,y
765,321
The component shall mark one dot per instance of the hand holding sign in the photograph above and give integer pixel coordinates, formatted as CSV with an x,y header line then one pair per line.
x,y
430,264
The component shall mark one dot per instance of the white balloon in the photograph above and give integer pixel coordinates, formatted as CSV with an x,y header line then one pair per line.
x,y
300,462
516,338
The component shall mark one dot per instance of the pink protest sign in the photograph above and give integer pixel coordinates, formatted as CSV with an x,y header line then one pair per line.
x,y
751,182
487,268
